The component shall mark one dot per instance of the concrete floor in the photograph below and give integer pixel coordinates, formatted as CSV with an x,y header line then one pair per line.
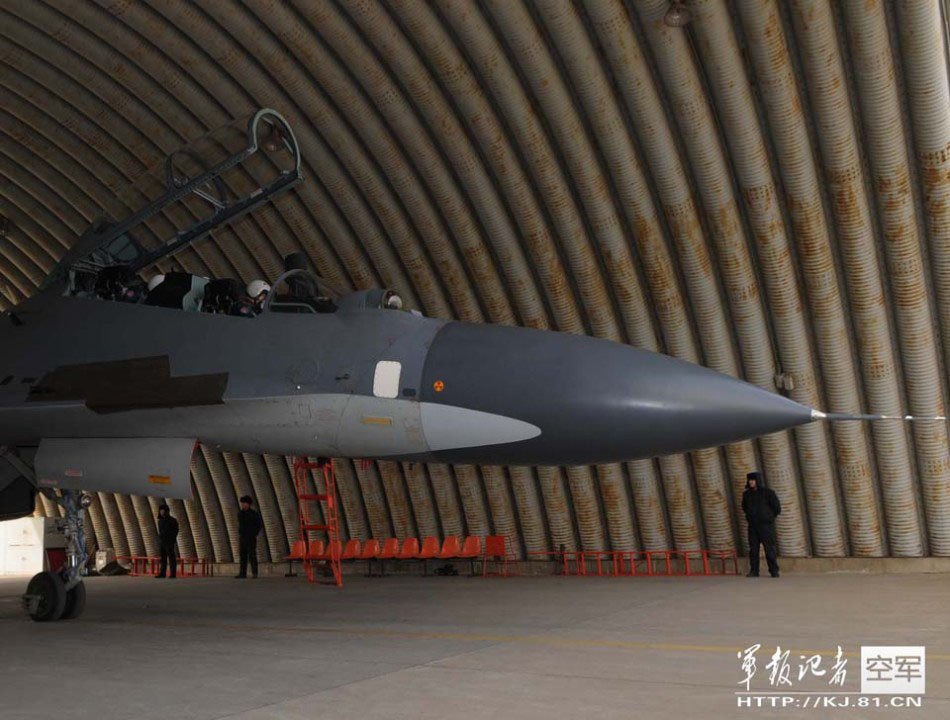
x,y
401,647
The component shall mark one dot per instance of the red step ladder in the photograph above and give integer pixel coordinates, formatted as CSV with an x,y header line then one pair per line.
x,y
331,525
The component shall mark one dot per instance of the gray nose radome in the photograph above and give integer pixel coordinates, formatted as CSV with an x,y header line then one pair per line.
x,y
594,401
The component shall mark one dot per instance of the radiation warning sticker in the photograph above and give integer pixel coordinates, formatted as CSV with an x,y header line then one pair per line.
x,y
438,386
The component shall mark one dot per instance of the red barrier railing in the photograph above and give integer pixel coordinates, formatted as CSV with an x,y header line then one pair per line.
x,y
150,564
631,563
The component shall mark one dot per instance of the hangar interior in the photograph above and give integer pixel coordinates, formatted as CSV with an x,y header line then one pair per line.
x,y
758,187
764,191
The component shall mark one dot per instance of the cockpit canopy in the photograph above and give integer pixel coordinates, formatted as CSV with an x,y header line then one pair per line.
x,y
374,299
198,188
301,291
297,290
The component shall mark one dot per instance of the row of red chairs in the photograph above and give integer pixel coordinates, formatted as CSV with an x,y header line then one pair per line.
x,y
390,549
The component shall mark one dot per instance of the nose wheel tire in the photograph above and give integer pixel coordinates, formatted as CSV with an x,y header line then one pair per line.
x,y
75,602
50,592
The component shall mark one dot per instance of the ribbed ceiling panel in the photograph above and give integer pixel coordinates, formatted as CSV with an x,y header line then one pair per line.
x,y
765,191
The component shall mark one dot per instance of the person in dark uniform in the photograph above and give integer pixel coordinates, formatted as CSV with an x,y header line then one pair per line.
x,y
167,535
249,527
761,506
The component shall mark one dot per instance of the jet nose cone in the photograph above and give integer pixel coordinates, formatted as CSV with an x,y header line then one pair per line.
x,y
594,401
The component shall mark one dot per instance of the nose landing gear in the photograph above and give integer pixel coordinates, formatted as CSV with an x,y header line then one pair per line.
x,y
45,597
59,593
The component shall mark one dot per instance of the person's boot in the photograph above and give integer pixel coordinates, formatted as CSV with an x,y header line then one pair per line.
x,y
751,573
159,577
775,574
240,577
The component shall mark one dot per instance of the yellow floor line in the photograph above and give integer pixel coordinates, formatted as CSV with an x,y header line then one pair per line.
x,y
551,640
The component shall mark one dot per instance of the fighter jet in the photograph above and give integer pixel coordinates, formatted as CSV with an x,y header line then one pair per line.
x,y
105,388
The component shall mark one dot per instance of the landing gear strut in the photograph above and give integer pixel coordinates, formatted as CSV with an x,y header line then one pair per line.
x,y
58,593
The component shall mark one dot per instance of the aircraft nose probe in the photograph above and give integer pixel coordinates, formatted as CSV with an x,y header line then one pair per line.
x,y
836,417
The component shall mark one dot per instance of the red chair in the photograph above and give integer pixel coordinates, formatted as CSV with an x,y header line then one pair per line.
x,y
471,551
495,549
370,552
390,551
298,551
472,547
352,550
334,550
370,549
451,548
410,549
429,551
315,550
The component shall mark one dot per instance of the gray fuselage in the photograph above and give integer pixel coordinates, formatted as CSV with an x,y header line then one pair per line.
x,y
363,383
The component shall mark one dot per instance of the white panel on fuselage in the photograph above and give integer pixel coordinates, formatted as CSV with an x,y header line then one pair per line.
x,y
386,379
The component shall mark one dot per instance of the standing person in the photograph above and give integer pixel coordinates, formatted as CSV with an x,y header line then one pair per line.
x,y
760,505
249,527
167,535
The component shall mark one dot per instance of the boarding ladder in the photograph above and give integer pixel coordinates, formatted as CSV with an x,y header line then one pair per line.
x,y
330,556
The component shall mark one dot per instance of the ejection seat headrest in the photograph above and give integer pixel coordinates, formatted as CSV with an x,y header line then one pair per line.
x,y
171,292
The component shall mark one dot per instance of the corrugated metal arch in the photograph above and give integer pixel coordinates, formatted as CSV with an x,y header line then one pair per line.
x,y
726,192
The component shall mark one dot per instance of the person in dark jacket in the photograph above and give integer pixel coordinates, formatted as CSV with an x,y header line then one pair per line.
x,y
249,527
760,505
167,535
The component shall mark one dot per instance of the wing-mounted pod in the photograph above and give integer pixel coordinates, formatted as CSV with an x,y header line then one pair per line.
x,y
159,467
212,181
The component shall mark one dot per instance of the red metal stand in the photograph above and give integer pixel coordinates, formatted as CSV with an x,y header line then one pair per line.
x,y
496,550
149,565
331,525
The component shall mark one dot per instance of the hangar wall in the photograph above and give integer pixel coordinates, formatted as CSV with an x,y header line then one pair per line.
x,y
765,191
